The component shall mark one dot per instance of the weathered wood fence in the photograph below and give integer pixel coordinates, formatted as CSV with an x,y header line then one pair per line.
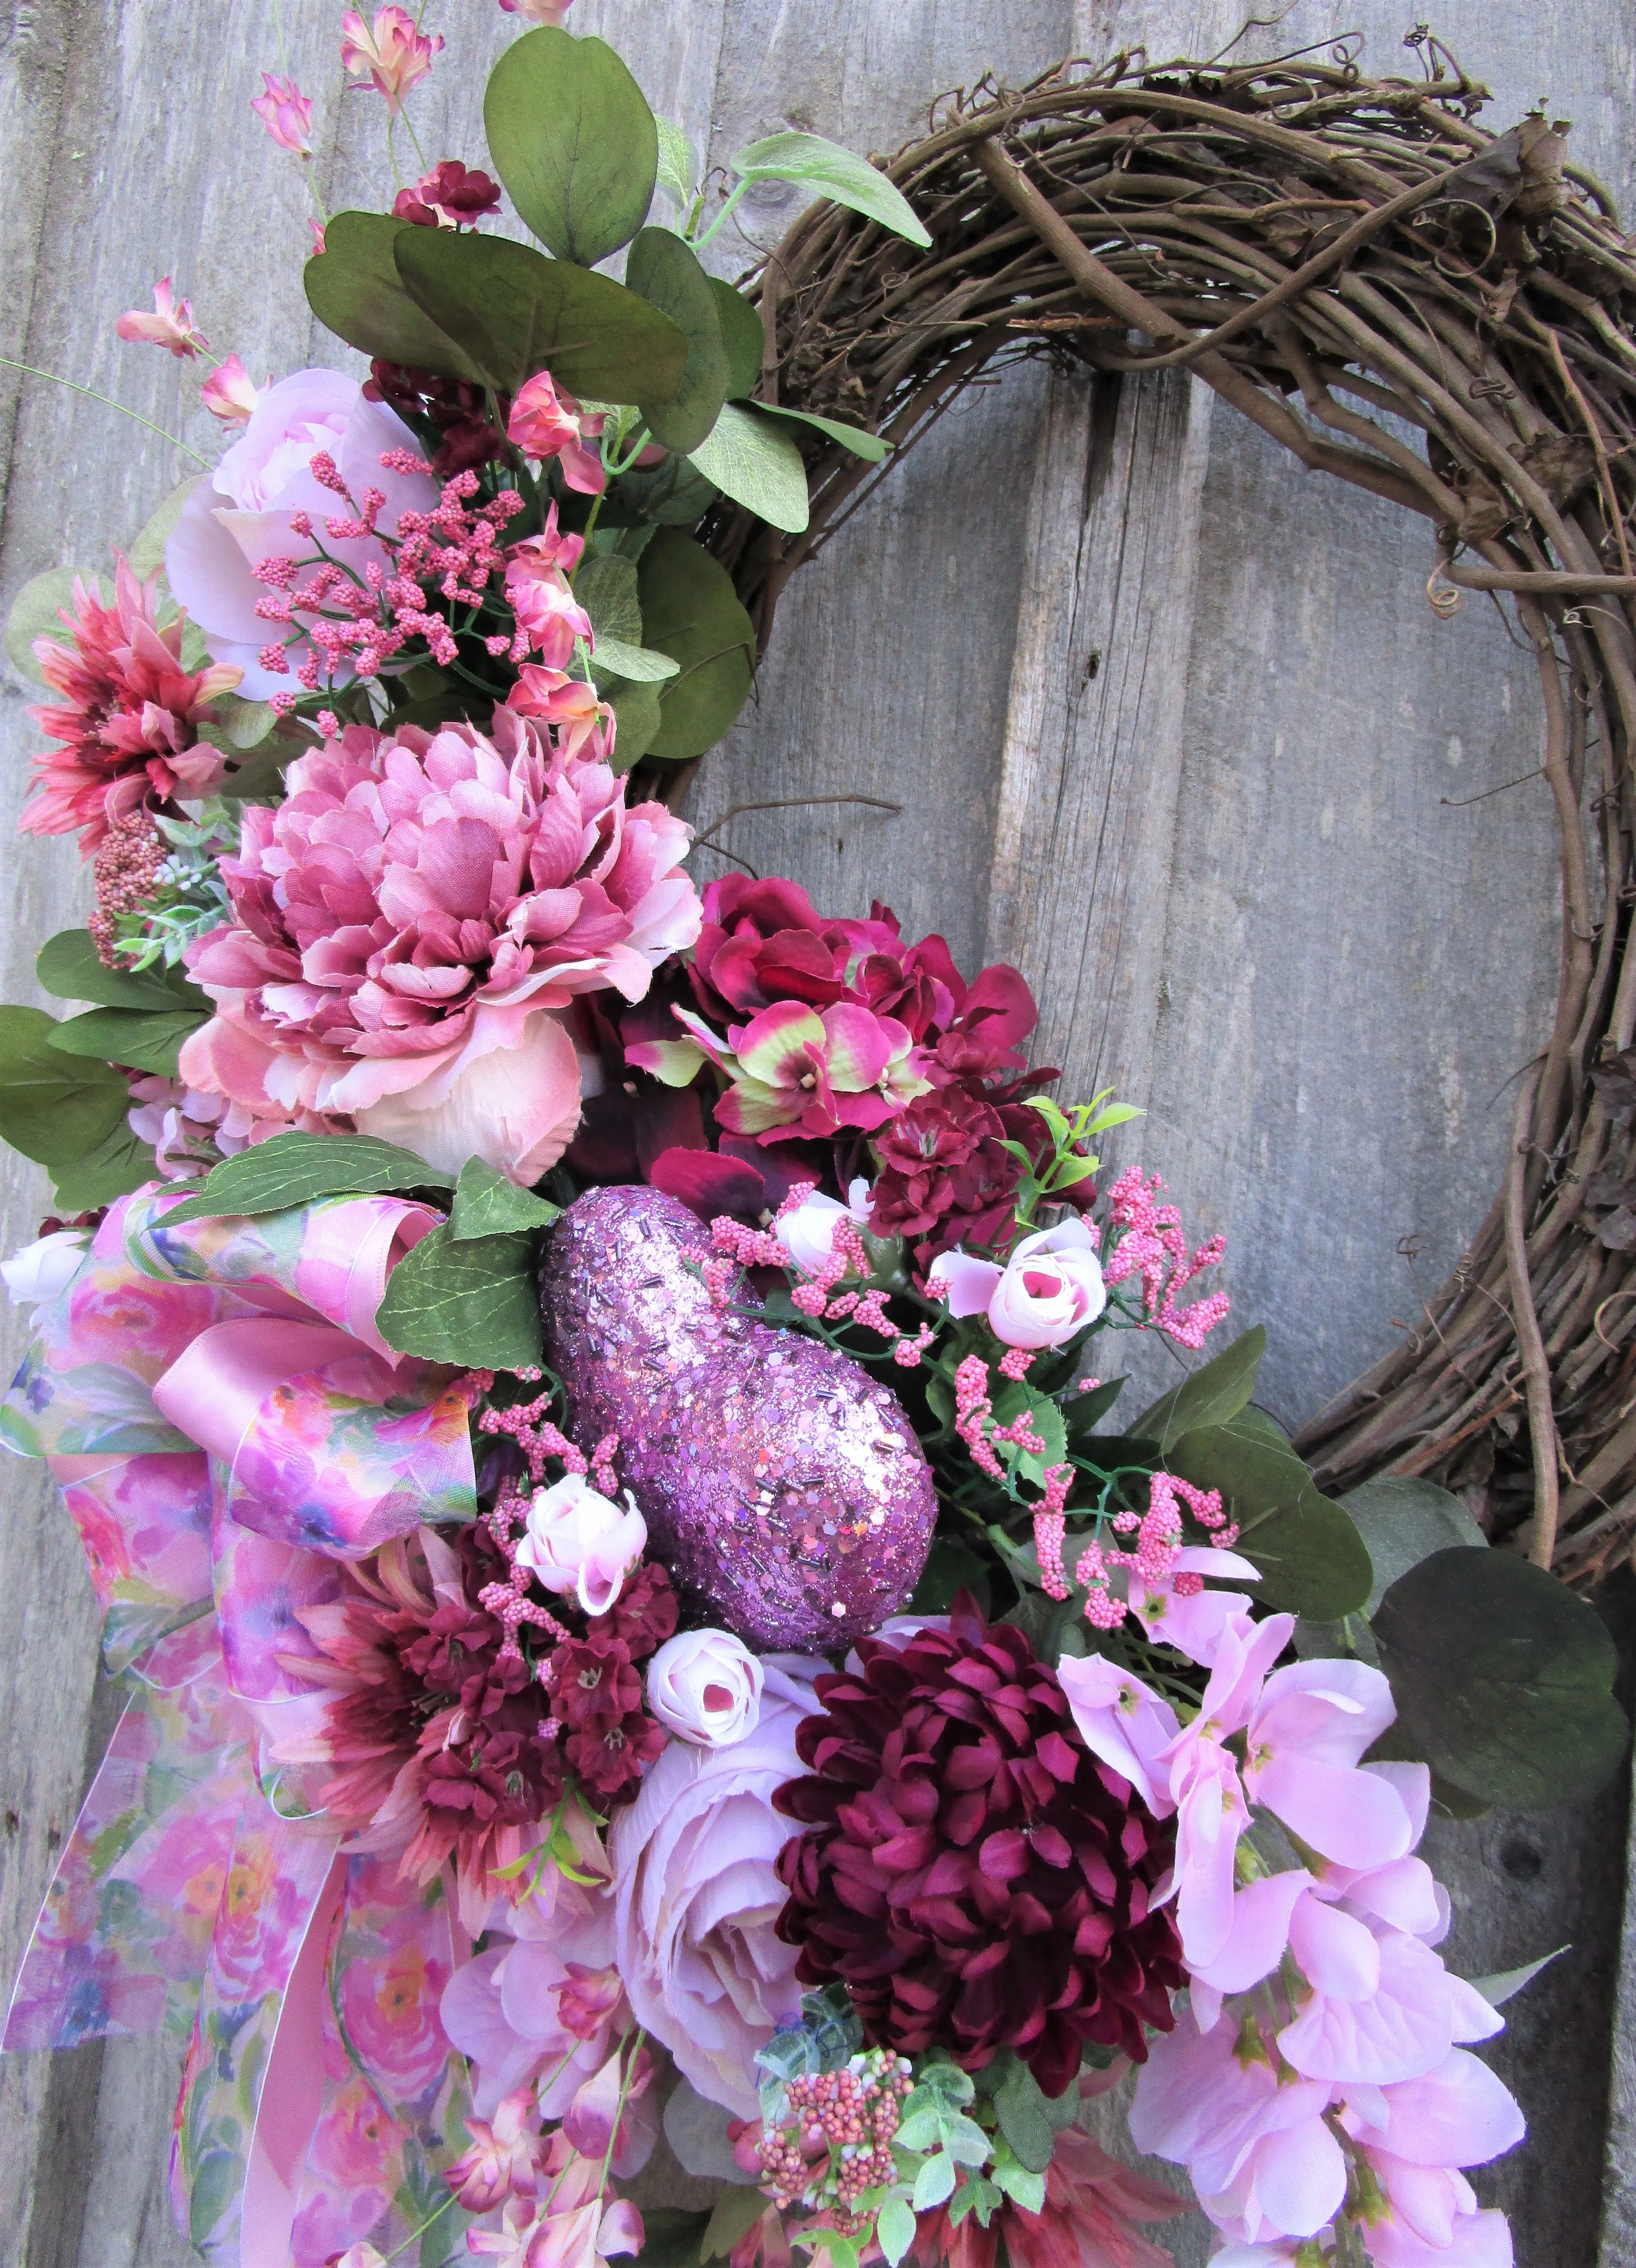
x,y
1171,726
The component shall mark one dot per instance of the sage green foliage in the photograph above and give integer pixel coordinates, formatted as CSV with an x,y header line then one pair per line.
x,y
145,556
469,1300
672,2237
37,612
68,967
735,2212
752,461
1503,1679
742,337
487,1204
838,174
1210,1395
52,1108
294,1169
573,142
1403,1520
606,586
690,612
857,438
353,288
665,272
1313,1561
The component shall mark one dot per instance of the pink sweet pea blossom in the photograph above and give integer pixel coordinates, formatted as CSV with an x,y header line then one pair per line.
x,y
504,2159
543,2004
580,1545
1050,1288
170,324
589,2121
391,53
231,393
547,611
286,113
538,11
544,423
1303,1742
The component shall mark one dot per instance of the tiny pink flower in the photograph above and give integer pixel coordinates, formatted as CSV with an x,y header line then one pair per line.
x,y
286,113
391,53
544,423
170,324
231,393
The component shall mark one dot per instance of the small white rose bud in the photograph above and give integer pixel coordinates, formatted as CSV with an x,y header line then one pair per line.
x,y
705,1685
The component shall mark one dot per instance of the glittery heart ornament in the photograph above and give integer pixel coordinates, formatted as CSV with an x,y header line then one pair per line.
x,y
782,1486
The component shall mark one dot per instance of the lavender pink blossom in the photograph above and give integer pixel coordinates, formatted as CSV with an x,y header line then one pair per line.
x,y
580,1545
390,54
286,113
171,324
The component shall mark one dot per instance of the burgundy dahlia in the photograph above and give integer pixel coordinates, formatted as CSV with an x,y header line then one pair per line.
x,y
971,1874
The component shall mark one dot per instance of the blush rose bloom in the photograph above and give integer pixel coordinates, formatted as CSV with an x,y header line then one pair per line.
x,y
1050,1286
580,1545
240,515
410,922
697,1894
38,1272
807,1231
705,1686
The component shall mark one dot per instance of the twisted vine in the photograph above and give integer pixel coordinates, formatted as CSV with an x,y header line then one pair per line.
x,y
1349,262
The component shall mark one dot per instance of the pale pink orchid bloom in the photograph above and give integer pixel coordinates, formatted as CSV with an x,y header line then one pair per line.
x,y
231,393
518,2011
579,1544
390,52
504,2156
1303,1742
170,324
1050,1288
807,1231
286,113
1125,1723
544,423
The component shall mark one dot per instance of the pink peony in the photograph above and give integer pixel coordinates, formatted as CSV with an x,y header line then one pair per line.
x,y
246,512
128,715
1050,1288
697,1894
390,52
170,324
544,423
406,923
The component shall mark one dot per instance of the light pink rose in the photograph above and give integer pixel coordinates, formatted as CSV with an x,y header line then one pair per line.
x,y
579,1544
697,1894
706,1686
241,514
1050,1288
807,1231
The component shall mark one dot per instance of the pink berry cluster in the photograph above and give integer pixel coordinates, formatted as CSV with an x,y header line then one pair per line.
x,y
1158,1533
834,2139
1150,1244
973,1421
530,1425
358,622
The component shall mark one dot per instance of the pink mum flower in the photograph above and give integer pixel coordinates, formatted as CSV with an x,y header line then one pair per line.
x,y
170,324
544,423
286,113
231,393
126,716
391,53
406,923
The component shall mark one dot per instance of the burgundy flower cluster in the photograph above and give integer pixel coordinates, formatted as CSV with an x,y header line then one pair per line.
x,y
975,1877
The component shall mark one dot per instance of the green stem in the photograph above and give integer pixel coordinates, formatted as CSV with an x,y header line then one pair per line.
x,y
420,2232
618,2113
91,394
700,241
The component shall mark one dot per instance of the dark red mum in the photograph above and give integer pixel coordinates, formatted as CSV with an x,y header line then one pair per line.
x,y
975,1877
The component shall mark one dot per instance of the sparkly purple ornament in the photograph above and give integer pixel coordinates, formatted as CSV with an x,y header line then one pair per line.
x,y
782,1486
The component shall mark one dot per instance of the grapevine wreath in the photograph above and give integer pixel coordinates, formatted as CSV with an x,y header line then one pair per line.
x,y
594,1408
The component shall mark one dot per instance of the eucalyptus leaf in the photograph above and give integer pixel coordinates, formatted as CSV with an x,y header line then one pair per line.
x,y
1313,1561
37,612
54,1109
1209,1396
353,288
574,141
260,776
665,272
696,2130
605,587
673,493
294,1169
487,1204
839,174
951,1566
1045,1421
146,554
1401,1521
1082,1413
240,726
858,438
671,2236
737,2212
758,466
121,1162
742,336
473,1303
677,167
632,665
1506,1984
517,312
69,967
136,1037
637,715
1503,1678
690,612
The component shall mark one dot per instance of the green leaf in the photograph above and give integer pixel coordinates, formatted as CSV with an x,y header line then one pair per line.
x,y
637,716
1403,1522
35,613
665,272
354,289
742,336
1314,1562
605,587
690,611
737,2212
134,1037
1022,2185
1013,1399
262,775
574,141
1503,1678
240,726
858,438
487,1204
836,174
294,1169
146,554
677,167
894,2228
1082,1413
759,467
1506,1984
951,1566
473,1303
672,493
934,2184
53,1109
517,312
68,967
120,1162
1209,1396
632,665
1019,2104
672,2237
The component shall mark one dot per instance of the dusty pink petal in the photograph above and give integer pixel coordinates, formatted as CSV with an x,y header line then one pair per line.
x,y
1405,2030
1336,1954
1348,1815
1258,1934
967,1284
516,1108
1124,1722
1211,1814
1459,2114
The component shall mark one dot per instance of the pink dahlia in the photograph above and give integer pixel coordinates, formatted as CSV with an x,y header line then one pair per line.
x,y
407,924
127,714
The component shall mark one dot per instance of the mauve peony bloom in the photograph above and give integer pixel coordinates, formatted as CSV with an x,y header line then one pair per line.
x,y
406,923
242,514
170,324
1050,1288
231,393
580,1545
697,1890
127,714
705,1686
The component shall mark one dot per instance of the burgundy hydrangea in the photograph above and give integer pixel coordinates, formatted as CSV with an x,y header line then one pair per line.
x,y
455,409
975,1877
946,1176
451,195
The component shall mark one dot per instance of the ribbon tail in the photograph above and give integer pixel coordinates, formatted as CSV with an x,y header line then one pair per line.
x,y
292,2094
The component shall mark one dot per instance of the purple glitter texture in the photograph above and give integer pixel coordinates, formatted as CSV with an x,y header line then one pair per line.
x,y
782,1486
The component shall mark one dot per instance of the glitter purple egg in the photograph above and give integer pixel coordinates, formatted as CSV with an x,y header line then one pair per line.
x,y
782,1486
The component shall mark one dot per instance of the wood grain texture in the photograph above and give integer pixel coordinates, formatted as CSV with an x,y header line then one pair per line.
x,y
1311,970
